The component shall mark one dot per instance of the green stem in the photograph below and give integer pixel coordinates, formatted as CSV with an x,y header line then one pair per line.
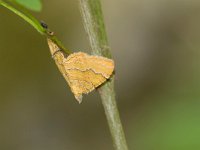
x,y
95,28
28,18
35,24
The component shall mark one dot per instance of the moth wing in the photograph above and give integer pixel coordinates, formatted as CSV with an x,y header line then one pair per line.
x,y
83,62
83,82
85,72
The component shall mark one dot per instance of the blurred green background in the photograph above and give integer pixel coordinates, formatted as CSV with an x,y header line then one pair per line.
x,y
155,45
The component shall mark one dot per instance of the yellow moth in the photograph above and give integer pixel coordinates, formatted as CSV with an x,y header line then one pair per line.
x,y
83,72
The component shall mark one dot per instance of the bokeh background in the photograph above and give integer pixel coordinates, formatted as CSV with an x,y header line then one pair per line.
x,y
156,47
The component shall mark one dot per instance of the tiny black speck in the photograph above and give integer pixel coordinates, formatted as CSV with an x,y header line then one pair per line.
x,y
44,25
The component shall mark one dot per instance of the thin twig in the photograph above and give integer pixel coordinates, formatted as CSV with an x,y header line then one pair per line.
x,y
94,26
34,23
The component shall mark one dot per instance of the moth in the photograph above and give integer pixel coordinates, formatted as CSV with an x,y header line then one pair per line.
x,y
82,72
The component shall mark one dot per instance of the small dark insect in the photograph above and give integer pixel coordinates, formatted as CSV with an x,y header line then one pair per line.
x,y
44,25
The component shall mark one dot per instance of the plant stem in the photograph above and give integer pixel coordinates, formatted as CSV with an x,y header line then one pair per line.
x,y
94,26
34,23
28,18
